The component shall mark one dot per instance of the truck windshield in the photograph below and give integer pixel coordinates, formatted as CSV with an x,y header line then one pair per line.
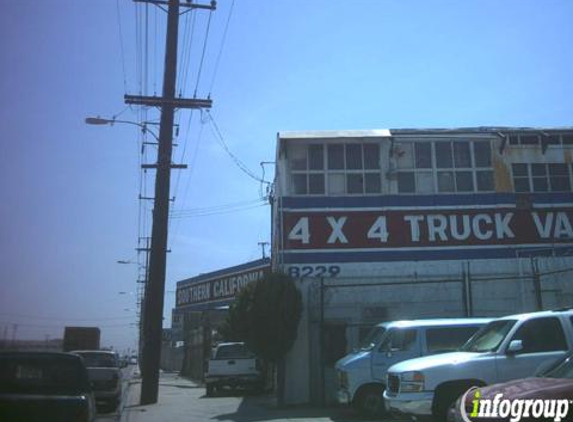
x,y
489,337
99,360
372,339
234,351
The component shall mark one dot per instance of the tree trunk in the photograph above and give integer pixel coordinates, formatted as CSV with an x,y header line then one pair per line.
x,y
281,382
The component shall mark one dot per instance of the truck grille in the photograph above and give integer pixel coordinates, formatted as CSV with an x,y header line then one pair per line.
x,y
342,380
393,383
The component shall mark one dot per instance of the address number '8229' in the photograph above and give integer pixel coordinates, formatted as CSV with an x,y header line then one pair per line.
x,y
314,271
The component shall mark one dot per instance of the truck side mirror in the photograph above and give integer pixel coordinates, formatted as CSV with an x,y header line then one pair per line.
x,y
515,346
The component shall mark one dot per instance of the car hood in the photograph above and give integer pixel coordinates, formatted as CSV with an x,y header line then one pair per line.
x,y
352,359
531,388
420,364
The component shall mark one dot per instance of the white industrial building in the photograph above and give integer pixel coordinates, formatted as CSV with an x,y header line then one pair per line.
x,y
393,224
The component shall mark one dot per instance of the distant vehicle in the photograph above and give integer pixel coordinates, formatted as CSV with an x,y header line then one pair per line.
x,y
123,361
44,386
104,374
362,373
233,365
508,348
133,360
81,338
556,382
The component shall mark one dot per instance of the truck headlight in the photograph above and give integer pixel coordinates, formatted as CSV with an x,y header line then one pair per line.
x,y
412,381
343,379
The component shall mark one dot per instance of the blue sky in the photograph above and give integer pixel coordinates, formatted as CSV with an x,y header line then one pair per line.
x,y
69,206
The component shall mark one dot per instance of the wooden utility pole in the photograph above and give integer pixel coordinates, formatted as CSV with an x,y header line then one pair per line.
x,y
262,245
155,286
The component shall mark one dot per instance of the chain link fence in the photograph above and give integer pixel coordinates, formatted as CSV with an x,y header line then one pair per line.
x,y
341,311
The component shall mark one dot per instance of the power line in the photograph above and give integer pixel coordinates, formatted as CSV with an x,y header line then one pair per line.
x,y
62,326
203,54
228,211
138,60
146,51
44,318
182,159
188,36
221,209
121,46
221,48
191,169
221,206
242,166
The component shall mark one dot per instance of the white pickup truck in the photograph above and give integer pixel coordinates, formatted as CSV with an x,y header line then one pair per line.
x,y
233,365
507,348
105,375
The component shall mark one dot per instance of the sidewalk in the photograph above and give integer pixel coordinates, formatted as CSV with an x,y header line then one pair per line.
x,y
182,400
173,403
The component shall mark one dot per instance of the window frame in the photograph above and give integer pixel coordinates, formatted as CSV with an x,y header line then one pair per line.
x,y
435,171
431,331
544,139
404,332
527,324
547,177
345,171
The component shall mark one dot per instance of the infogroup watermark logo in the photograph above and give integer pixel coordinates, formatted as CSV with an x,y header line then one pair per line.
x,y
514,409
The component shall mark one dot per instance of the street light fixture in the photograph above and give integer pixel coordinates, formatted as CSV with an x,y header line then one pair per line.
x,y
125,262
99,121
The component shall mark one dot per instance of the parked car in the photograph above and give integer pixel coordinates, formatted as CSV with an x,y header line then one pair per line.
x,y
362,373
554,383
506,349
42,386
105,375
233,365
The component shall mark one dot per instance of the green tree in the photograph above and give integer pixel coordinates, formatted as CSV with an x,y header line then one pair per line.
x,y
236,325
265,315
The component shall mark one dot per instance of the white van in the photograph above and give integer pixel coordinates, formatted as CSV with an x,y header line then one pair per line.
x,y
362,373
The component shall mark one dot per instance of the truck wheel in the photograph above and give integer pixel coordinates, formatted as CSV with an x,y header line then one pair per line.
x,y
209,390
370,401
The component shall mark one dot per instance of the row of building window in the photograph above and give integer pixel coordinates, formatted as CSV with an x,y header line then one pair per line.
x,y
427,182
541,139
444,166
316,157
443,154
552,177
420,168
337,169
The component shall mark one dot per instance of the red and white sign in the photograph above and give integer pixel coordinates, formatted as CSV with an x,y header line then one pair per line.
x,y
323,230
